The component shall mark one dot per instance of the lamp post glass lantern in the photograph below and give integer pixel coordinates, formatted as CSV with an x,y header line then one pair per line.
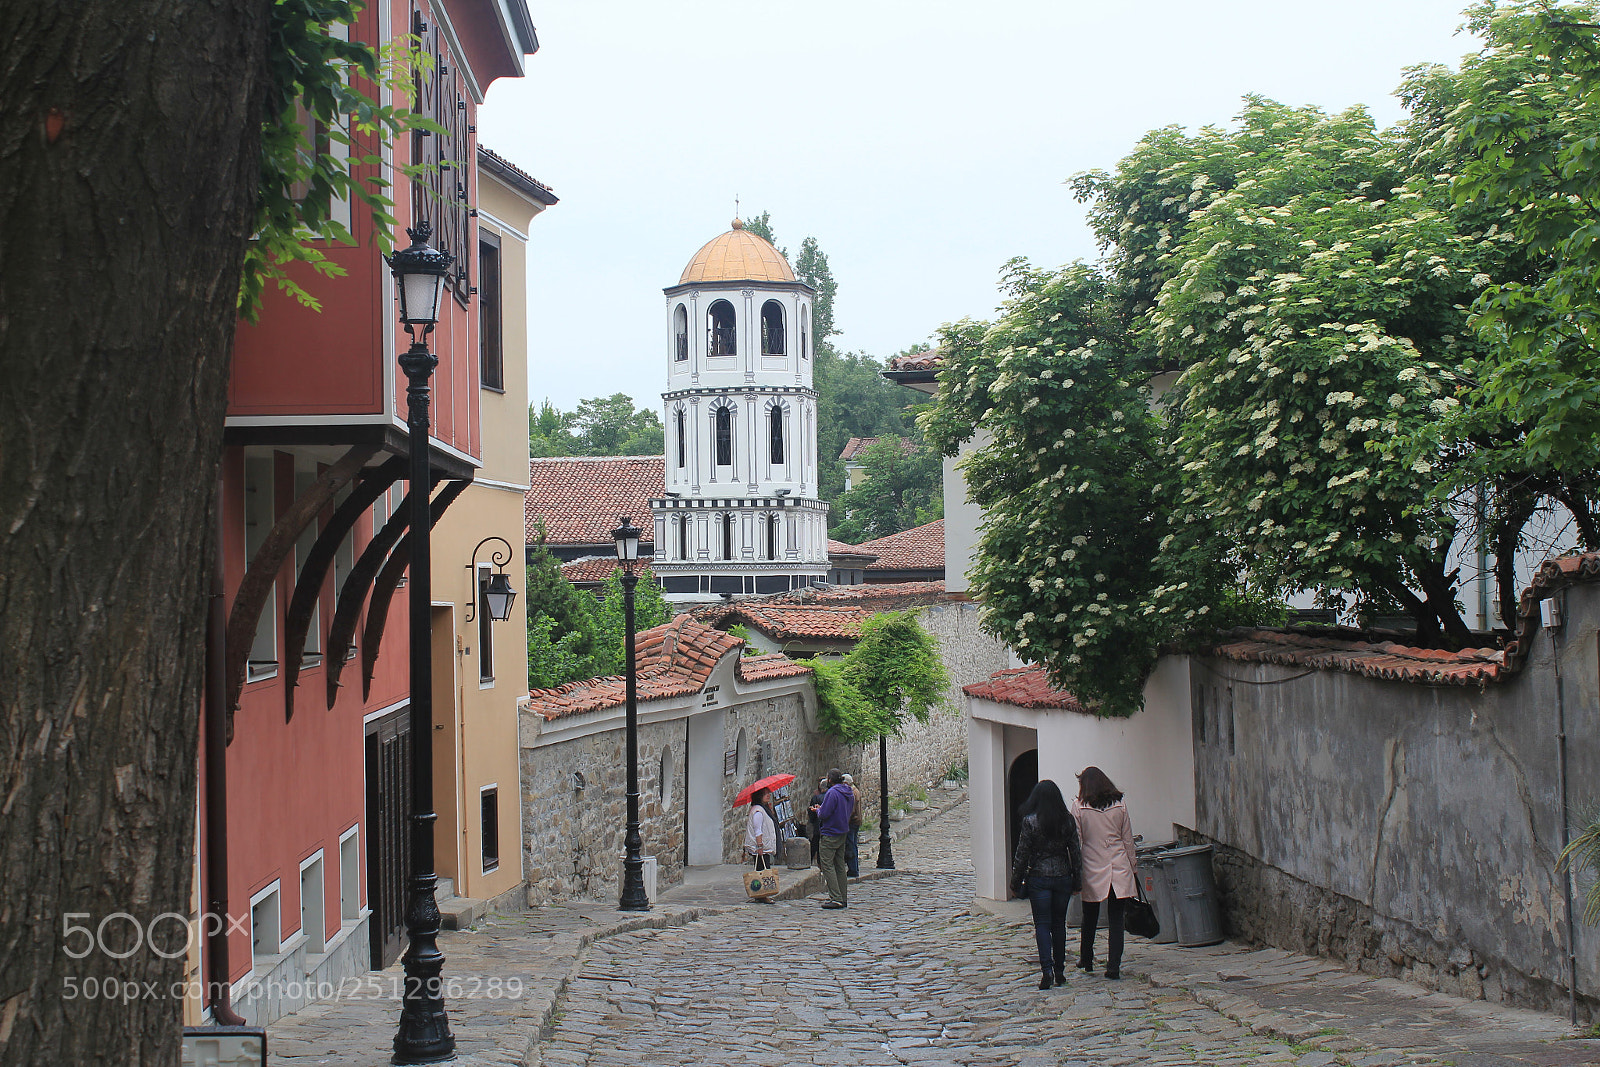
x,y
626,536
494,591
424,1033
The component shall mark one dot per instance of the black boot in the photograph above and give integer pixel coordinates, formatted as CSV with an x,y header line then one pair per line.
x,y
1060,977
1086,963
1044,979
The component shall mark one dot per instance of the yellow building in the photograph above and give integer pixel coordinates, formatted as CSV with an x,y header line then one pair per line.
x,y
480,665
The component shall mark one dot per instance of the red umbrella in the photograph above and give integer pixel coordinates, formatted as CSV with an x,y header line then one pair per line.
x,y
771,781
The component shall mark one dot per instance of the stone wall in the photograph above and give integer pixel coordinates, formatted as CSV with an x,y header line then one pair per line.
x,y
1409,830
573,838
924,752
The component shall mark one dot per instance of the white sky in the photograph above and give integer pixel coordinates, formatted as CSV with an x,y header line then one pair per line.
x,y
923,142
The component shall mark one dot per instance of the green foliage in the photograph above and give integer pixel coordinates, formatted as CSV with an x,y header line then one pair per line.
x,y
811,267
600,426
742,632
650,609
903,488
571,636
1527,121
761,226
842,712
854,400
896,667
319,97
1583,853
1084,563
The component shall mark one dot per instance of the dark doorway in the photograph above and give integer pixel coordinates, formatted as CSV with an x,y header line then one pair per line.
x,y
1020,780
388,842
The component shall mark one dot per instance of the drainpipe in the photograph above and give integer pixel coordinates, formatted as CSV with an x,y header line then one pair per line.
x,y
216,756
1553,619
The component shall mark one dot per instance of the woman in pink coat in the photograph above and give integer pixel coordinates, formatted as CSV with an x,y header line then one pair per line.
x,y
1106,834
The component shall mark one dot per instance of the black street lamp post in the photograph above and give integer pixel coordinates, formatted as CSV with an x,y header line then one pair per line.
x,y
885,851
633,894
424,1035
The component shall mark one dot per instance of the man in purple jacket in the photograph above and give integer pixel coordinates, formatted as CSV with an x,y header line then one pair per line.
x,y
834,821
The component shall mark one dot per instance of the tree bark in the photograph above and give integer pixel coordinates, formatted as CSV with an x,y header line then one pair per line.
x,y
130,145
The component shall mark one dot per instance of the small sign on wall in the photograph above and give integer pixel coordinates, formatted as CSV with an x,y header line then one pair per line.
x,y
730,762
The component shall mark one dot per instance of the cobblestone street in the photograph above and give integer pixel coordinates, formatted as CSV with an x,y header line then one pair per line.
x,y
904,976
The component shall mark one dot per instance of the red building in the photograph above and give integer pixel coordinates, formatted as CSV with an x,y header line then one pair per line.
x,y
309,690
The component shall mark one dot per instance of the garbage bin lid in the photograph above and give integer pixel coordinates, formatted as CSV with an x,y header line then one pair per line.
x,y
1187,850
1159,846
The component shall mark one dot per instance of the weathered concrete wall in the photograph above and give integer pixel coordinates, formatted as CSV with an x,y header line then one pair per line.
x,y
573,838
1410,830
925,751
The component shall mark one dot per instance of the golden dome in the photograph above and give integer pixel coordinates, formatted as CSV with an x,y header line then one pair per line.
x,y
737,256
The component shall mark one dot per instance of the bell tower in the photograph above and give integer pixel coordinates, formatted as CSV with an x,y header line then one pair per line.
x,y
741,513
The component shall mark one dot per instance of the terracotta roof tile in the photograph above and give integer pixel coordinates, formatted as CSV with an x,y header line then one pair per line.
x,y
809,621
1024,687
854,446
597,569
1382,659
920,548
931,360
580,498
671,660
839,548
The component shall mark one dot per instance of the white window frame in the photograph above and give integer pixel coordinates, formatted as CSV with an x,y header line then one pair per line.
x,y
316,939
350,909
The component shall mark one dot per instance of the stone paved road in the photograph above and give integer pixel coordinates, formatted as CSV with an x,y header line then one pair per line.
x,y
905,976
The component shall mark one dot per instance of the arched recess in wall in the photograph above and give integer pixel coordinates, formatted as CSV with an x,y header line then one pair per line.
x,y
669,777
722,420
741,757
772,330
722,334
680,334
680,427
777,432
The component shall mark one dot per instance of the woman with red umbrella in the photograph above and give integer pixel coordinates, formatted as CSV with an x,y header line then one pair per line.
x,y
761,832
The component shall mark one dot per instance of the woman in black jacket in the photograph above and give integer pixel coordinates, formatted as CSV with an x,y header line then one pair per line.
x,y
1046,868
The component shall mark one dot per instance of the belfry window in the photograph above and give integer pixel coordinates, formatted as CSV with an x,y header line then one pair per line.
x,y
680,334
722,338
772,329
776,417
681,424
724,437
683,537
727,536
805,331
772,537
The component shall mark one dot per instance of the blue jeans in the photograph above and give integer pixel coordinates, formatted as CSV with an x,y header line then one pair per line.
x,y
1049,896
852,852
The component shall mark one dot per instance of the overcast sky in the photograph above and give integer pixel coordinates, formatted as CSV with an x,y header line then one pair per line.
x,y
923,143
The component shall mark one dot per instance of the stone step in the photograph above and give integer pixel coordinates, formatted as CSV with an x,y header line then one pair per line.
x,y
459,913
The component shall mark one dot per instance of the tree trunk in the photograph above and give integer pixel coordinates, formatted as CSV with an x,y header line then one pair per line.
x,y
130,144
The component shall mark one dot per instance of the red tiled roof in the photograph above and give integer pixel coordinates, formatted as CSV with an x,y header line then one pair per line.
x,y
1024,687
1382,659
598,568
772,665
854,446
839,548
671,660
920,548
931,360
579,499
1551,577
857,445
810,621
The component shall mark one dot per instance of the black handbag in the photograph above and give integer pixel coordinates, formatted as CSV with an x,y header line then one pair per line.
x,y
1138,917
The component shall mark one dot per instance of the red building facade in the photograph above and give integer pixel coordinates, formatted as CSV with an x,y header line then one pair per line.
x,y
303,795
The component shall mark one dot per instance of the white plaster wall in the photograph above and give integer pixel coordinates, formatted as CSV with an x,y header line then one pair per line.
x,y
961,518
1150,756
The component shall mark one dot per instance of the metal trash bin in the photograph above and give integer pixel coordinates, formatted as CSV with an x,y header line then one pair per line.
x,y
797,853
1158,891
1193,891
